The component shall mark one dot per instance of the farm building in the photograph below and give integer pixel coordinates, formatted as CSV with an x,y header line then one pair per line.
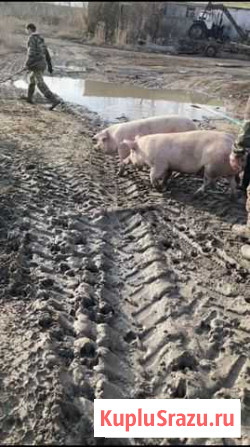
x,y
159,22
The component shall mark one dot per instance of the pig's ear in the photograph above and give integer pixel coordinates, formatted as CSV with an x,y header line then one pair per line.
x,y
105,135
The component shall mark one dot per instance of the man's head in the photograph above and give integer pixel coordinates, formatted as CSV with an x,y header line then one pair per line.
x,y
31,28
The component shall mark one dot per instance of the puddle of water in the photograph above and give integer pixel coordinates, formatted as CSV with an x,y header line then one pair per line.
x,y
111,101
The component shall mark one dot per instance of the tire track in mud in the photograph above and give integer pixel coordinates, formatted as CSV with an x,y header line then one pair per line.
x,y
108,275
173,277
70,349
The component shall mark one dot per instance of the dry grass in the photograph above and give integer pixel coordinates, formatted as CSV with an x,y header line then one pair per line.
x,y
74,26
121,37
100,33
50,20
10,30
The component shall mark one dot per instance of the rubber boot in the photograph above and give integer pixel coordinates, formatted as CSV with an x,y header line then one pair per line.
x,y
44,89
31,91
28,98
55,103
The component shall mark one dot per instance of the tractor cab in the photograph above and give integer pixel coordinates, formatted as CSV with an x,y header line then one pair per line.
x,y
209,24
207,17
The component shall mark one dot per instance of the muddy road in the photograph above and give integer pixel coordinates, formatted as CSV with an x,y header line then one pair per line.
x,y
109,289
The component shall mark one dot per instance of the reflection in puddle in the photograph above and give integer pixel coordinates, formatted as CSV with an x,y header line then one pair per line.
x,y
111,101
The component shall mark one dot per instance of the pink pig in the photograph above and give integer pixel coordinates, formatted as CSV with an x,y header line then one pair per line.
x,y
187,152
110,139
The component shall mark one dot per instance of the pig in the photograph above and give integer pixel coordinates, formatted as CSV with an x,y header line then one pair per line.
x,y
110,139
207,151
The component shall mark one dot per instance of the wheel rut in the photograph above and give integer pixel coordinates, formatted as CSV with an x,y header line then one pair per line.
x,y
110,289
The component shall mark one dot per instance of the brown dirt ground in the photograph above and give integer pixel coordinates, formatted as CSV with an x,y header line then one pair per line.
x,y
109,289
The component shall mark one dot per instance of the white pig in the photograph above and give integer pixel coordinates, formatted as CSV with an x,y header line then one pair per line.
x,y
187,152
110,139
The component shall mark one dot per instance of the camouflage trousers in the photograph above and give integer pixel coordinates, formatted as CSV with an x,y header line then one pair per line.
x,y
36,79
248,206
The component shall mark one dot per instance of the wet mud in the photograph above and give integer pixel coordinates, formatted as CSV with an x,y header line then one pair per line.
x,y
108,288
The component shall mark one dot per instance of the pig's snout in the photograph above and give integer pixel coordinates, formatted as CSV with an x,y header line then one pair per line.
x,y
96,142
96,137
136,159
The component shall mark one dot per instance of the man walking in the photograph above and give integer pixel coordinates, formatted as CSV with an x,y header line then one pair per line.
x,y
38,58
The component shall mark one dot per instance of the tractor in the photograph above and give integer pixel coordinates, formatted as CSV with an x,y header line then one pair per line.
x,y
209,25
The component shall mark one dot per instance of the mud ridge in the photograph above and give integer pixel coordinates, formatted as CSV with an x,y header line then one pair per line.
x,y
110,289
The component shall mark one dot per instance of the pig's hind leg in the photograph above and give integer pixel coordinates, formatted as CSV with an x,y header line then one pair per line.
x,y
210,176
207,180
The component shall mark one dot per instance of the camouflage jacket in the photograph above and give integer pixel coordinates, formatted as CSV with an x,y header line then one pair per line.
x,y
243,139
242,142
38,56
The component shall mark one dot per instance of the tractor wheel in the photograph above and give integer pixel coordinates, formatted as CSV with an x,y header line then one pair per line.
x,y
197,31
211,51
